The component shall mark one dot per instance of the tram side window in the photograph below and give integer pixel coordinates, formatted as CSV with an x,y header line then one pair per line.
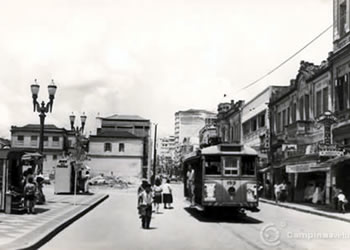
x,y
212,165
231,165
248,165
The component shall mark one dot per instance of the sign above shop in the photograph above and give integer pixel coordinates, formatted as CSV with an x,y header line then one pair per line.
x,y
301,168
329,150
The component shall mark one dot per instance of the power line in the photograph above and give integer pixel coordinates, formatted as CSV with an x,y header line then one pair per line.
x,y
288,59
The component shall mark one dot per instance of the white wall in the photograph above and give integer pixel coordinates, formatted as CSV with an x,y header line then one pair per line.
x,y
256,105
131,148
125,167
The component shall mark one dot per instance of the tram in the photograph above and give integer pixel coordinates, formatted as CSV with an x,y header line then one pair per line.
x,y
222,175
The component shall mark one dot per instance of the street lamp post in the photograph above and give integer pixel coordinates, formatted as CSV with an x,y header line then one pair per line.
x,y
78,131
42,109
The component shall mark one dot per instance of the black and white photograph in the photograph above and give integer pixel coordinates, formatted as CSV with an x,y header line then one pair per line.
x,y
174,124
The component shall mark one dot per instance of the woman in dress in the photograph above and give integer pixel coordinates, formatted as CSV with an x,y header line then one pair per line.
x,y
157,194
167,195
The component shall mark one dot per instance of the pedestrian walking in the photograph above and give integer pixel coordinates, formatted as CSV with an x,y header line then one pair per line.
x,y
157,191
342,201
277,192
167,195
29,195
335,193
145,206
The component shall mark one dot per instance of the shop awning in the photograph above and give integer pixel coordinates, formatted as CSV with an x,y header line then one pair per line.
x,y
334,161
30,156
305,167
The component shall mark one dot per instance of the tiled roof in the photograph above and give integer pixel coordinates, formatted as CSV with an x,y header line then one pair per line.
x,y
125,117
35,127
114,134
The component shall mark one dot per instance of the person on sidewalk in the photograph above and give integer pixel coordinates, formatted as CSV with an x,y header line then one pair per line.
x,y
342,201
140,189
283,191
145,206
29,195
157,191
277,192
335,193
167,195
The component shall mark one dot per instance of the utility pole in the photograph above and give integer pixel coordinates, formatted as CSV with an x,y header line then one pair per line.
x,y
154,154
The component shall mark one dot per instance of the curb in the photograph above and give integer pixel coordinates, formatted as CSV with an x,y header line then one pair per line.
x,y
305,210
55,230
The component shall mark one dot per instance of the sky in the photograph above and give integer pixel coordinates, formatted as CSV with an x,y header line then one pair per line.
x,y
150,58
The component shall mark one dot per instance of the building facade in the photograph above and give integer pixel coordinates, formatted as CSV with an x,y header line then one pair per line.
x,y
121,145
229,121
208,134
298,132
55,143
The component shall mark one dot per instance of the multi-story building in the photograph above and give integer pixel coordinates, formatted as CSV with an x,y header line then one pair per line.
x,y
297,133
166,154
340,90
339,60
229,121
121,145
255,121
55,144
208,135
188,123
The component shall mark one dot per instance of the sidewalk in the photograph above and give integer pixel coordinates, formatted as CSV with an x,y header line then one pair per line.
x,y
29,231
321,210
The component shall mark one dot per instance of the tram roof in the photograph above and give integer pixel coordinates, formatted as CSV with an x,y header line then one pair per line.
x,y
223,149
229,149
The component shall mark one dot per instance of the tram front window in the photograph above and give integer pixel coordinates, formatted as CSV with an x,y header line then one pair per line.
x,y
212,165
248,165
231,165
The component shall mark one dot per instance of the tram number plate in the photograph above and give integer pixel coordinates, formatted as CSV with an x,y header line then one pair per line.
x,y
231,182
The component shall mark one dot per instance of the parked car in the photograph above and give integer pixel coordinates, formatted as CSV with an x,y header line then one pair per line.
x,y
98,180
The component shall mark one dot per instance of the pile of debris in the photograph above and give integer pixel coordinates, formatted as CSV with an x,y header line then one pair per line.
x,y
112,181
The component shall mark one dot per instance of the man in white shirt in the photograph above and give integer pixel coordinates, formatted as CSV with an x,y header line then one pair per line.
x,y
145,206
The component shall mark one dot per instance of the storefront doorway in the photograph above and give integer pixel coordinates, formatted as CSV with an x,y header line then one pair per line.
x,y
306,185
342,177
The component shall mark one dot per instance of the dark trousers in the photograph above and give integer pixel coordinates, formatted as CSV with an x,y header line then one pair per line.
x,y
146,217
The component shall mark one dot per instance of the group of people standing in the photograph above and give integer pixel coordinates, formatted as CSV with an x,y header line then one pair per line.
x,y
32,190
156,195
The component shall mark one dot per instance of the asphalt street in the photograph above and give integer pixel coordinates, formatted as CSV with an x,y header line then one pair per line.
x,y
114,224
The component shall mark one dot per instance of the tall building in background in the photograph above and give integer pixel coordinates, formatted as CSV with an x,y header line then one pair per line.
x,y
166,154
121,145
188,123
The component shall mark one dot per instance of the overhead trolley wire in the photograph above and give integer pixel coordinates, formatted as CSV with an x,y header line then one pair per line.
x,y
288,59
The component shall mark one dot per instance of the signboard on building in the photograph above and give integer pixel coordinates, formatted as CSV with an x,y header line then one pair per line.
x,y
301,168
329,150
